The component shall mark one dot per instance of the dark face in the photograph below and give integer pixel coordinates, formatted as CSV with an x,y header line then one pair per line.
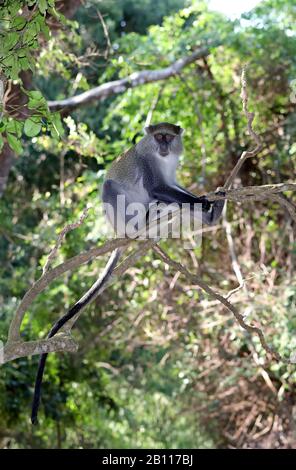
x,y
164,141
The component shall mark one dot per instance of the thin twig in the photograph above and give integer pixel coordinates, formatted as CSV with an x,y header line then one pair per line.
x,y
204,286
62,234
106,34
153,105
250,117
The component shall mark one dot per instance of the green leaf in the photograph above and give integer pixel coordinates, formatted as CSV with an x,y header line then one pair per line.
x,y
36,95
45,30
13,7
54,132
31,32
14,143
10,41
32,126
19,23
24,63
42,5
37,101
14,127
30,60
15,68
57,125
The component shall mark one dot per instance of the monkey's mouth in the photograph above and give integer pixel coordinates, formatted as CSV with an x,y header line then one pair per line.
x,y
164,154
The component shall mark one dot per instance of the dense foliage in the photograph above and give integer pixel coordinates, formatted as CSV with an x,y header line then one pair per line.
x,y
159,363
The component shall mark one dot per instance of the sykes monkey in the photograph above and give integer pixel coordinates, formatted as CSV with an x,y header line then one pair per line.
x,y
145,174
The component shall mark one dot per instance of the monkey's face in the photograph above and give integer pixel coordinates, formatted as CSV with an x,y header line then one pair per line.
x,y
168,144
163,141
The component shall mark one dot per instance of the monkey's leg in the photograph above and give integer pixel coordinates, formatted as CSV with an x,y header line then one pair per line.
x,y
123,205
114,202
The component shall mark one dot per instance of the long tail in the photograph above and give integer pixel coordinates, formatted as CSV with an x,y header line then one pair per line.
x,y
88,297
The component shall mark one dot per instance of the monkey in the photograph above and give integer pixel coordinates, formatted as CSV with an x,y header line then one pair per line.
x,y
145,174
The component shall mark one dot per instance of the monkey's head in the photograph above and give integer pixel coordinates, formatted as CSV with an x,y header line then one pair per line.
x,y
163,139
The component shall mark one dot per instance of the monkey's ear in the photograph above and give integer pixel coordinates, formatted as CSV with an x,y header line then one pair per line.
x,y
148,130
178,130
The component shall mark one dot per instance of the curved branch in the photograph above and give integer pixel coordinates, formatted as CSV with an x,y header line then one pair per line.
x,y
49,276
135,79
63,341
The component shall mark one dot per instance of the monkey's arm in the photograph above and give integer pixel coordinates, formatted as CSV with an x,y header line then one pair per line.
x,y
210,217
170,194
211,211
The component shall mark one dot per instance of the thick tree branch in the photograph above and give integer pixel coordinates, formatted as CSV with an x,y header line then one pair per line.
x,y
135,79
15,348
61,342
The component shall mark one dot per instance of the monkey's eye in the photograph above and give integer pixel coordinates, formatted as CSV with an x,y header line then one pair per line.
x,y
158,137
169,138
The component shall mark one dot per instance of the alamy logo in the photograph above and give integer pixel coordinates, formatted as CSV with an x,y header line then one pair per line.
x,y
155,220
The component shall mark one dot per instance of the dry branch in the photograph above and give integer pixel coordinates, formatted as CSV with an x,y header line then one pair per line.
x,y
15,347
215,295
260,193
106,34
250,118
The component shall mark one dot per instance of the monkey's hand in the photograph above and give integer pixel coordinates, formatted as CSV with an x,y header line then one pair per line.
x,y
206,204
220,192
